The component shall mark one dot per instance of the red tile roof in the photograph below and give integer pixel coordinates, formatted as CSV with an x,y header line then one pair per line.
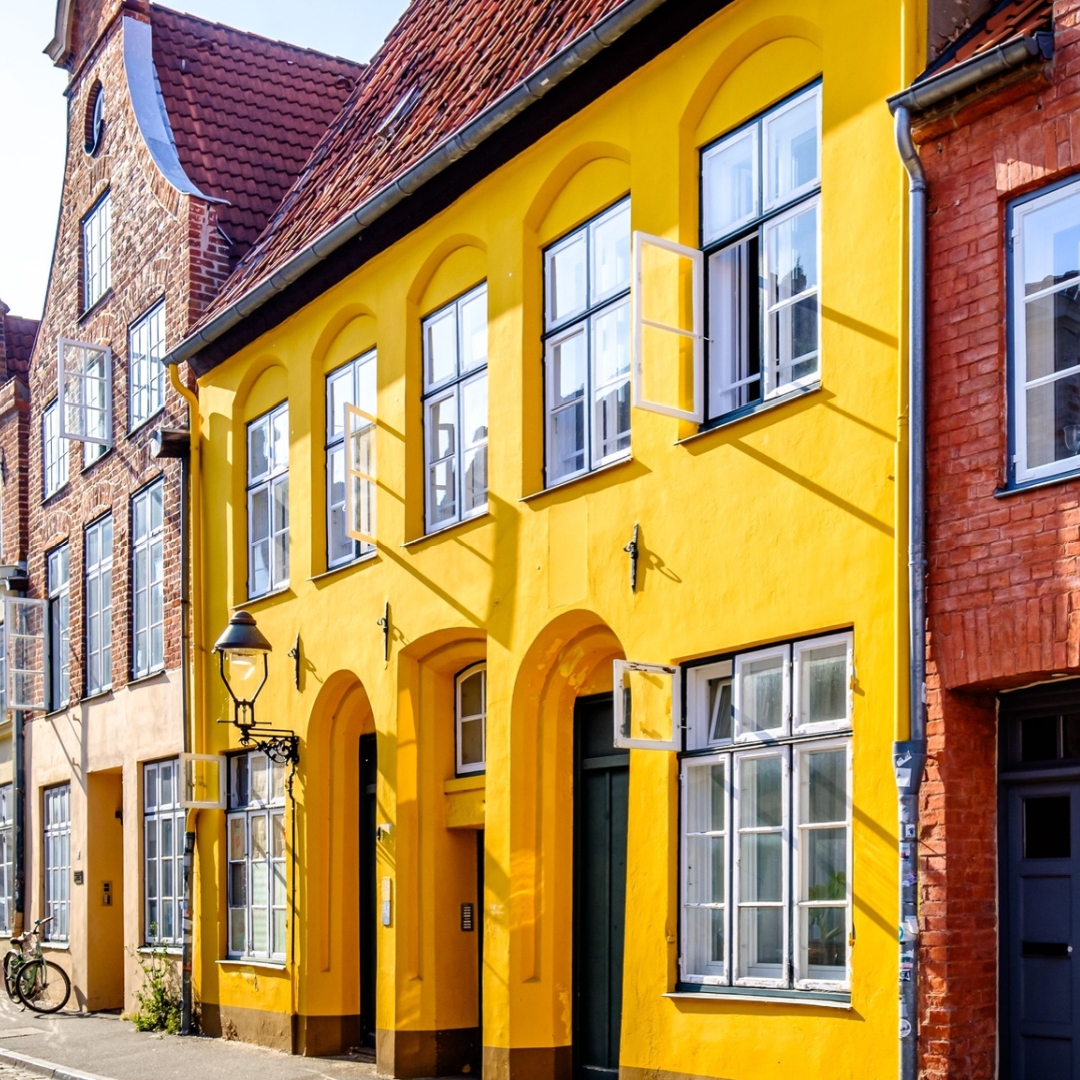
x,y
442,65
1013,18
245,111
18,342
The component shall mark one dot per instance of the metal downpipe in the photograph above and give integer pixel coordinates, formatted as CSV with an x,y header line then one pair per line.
x,y
909,756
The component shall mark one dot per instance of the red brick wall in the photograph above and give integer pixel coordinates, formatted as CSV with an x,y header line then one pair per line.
x,y
1003,596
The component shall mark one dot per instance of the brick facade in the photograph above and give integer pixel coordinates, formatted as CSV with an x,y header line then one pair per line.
x,y
1004,577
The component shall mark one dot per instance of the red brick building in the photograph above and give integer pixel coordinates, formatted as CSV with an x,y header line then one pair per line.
x,y
1000,808
183,137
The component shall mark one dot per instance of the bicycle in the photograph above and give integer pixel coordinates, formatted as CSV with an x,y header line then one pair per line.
x,y
39,984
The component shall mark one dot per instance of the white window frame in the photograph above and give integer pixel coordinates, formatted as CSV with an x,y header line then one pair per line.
x,y
148,580
7,856
698,735
96,251
146,372
59,637
98,577
84,382
452,388
799,649
345,433
742,662
238,822
272,482
584,321
624,738
54,450
464,769
26,639
56,860
163,815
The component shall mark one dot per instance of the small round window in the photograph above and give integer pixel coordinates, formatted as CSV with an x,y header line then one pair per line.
x,y
95,119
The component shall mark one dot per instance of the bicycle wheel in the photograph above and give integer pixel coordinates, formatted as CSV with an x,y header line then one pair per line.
x,y
12,966
43,986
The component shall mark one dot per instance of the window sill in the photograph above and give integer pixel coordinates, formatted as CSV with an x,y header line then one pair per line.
x,y
100,302
476,781
272,965
485,516
360,560
142,425
168,950
1035,485
104,692
559,485
138,680
814,999
46,499
56,946
88,465
748,410
285,590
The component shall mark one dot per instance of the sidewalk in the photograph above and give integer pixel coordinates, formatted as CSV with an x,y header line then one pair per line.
x,y
106,1046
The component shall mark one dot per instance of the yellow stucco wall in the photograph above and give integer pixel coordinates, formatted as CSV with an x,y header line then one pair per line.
x,y
783,523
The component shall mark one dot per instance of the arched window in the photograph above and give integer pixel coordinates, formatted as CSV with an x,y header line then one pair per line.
x,y
95,120
470,719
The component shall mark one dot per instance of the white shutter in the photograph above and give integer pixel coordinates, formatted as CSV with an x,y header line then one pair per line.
x,y
648,706
660,341
84,379
26,650
202,780
360,486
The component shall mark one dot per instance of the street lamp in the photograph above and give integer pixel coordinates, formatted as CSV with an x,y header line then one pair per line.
x,y
239,648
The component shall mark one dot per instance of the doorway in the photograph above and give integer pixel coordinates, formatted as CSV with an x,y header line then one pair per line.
x,y
601,791
369,770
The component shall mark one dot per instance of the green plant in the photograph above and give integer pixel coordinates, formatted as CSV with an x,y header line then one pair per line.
x,y
158,997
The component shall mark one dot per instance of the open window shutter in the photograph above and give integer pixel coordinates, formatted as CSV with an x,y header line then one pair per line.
x,y
360,430
26,651
648,706
202,780
669,327
84,378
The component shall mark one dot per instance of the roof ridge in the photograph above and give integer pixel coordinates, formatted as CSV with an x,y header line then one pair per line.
x,y
259,37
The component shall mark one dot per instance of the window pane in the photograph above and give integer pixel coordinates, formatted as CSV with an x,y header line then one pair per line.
x,y
761,697
237,936
760,792
280,450
277,826
472,694
1053,335
259,782
1051,243
339,390
277,780
706,869
824,932
367,385
827,782
791,150
440,347
611,345
823,684
1053,421
761,867
258,450
474,331
472,742
792,244
730,184
566,279
826,864
474,409
761,942
237,839
734,357
720,709
611,254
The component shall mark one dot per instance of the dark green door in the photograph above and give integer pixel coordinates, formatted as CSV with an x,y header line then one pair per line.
x,y
368,889
601,789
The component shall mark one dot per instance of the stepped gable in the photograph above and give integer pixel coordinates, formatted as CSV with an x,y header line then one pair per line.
x,y
444,63
245,111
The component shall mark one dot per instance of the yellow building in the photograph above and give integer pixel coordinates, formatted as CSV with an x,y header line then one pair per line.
x,y
453,490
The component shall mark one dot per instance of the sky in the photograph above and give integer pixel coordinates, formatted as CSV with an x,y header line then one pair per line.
x,y
33,109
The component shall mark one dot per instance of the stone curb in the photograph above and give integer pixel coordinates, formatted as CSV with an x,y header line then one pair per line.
x,y
46,1068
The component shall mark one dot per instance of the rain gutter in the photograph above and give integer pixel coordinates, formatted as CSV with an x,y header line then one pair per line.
x,y
909,756
599,37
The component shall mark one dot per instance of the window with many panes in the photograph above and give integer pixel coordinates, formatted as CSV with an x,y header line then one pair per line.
x,y
148,580
96,244
54,454
268,501
7,856
57,861
760,189
146,373
587,346
256,848
470,716
163,852
456,410
766,818
58,584
352,384
98,547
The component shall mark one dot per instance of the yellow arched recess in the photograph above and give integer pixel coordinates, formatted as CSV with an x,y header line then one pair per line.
x,y
453,268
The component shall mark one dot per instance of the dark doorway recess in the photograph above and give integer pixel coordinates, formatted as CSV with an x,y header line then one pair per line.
x,y
369,769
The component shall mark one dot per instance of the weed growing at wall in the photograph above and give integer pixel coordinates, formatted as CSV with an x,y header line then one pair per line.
x,y
159,996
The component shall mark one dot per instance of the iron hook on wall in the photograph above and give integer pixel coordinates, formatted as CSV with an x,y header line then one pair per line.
x,y
631,549
384,624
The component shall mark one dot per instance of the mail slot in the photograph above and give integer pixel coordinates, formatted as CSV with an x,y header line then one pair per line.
x,y
1045,949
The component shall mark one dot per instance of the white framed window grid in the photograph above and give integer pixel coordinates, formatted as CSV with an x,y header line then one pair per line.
x,y
7,856
761,234
470,719
98,550
766,820
1044,388
54,451
146,372
268,501
27,653
256,846
163,853
96,250
148,580
56,837
58,586
455,352
354,384
84,381
587,346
